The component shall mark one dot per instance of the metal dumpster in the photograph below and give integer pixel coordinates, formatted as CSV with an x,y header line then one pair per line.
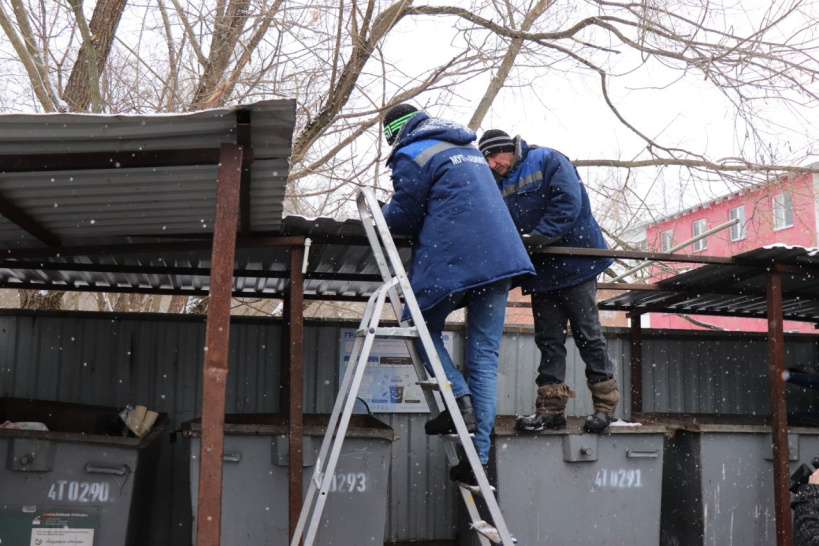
x,y
255,479
72,484
568,487
718,482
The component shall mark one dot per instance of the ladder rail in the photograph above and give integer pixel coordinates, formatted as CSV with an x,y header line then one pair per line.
x,y
341,432
344,394
386,255
374,221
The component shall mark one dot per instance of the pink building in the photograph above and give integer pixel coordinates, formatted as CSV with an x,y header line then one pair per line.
x,y
783,211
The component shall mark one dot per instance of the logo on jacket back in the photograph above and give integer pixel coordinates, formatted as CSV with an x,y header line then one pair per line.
x,y
460,158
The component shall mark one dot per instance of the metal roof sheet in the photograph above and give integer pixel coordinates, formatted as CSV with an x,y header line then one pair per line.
x,y
110,205
736,289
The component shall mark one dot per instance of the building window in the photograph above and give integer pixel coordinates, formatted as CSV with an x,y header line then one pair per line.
x,y
782,210
738,231
698,228
667,240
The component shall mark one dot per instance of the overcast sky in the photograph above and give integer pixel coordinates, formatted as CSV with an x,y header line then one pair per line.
x,y
567,112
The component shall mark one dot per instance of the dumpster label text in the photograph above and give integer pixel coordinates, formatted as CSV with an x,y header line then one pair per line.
x,y
79,491
349,482
52,537
618,478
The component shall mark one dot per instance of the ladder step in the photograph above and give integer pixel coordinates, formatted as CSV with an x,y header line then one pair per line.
x,y
457,437
395,333
429,385
474,489
490,532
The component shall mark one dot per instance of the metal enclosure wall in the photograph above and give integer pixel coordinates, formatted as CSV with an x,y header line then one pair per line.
x,y
156,360
717,488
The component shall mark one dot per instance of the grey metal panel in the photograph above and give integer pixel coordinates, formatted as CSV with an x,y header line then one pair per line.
x,y
254,490
726,496
552,493
719,373
422,499
91,207
272,122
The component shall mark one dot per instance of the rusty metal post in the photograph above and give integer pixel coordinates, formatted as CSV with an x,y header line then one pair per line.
x,y
779,415
295,350
636,339
215,368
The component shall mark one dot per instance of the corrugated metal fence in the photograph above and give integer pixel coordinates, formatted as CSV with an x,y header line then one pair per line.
x,y
156,360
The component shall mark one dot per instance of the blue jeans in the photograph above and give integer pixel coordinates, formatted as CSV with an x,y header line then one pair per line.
x,y
486,308
552,310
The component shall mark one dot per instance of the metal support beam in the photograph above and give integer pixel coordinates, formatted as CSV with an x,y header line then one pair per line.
x,y
243,138
28,224
294,362
217,331
139,248
636,338
630,254
17,163
779,415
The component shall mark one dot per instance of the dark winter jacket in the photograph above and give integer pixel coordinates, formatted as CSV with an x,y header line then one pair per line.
x,y
446,199
546,197
805,506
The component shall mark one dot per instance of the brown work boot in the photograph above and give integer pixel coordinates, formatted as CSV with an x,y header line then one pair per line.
x,y
549,407
605,397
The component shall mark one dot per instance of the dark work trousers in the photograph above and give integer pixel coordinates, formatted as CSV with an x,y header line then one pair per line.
x,y
552,310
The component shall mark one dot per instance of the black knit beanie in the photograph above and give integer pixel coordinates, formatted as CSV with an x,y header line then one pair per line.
x,y
495,141
395,118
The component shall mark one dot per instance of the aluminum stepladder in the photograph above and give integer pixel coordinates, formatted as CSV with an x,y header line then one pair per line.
x,y
396,284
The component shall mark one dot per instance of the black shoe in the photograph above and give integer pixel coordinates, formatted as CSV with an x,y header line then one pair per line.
x,y
462,473
539,421
442,423
597,422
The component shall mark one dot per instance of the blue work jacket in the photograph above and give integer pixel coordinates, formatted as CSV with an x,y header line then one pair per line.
x,y
545,196
446,199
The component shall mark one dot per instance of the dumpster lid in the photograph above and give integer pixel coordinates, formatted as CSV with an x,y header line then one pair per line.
x,y
505,426
715,422
272,424
71,422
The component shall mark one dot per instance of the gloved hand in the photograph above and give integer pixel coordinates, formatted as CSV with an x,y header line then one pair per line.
x,y
535,240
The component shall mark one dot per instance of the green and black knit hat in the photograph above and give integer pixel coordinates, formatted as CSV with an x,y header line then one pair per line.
x,y
395,118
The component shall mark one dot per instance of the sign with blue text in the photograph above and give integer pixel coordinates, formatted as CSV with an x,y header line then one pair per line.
x,y
389,384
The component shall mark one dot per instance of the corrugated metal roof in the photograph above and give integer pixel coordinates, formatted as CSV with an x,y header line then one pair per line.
x,y
112,205
131,226
340,266
736,289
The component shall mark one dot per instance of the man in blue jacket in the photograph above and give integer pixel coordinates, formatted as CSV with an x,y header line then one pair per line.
x,y
547,200
466,253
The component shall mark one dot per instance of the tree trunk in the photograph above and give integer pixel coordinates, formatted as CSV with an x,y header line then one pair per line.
x,y
103,27
177,305
42,300
226,32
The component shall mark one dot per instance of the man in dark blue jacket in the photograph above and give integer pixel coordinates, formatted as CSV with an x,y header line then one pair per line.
x,y
466,253
546,198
